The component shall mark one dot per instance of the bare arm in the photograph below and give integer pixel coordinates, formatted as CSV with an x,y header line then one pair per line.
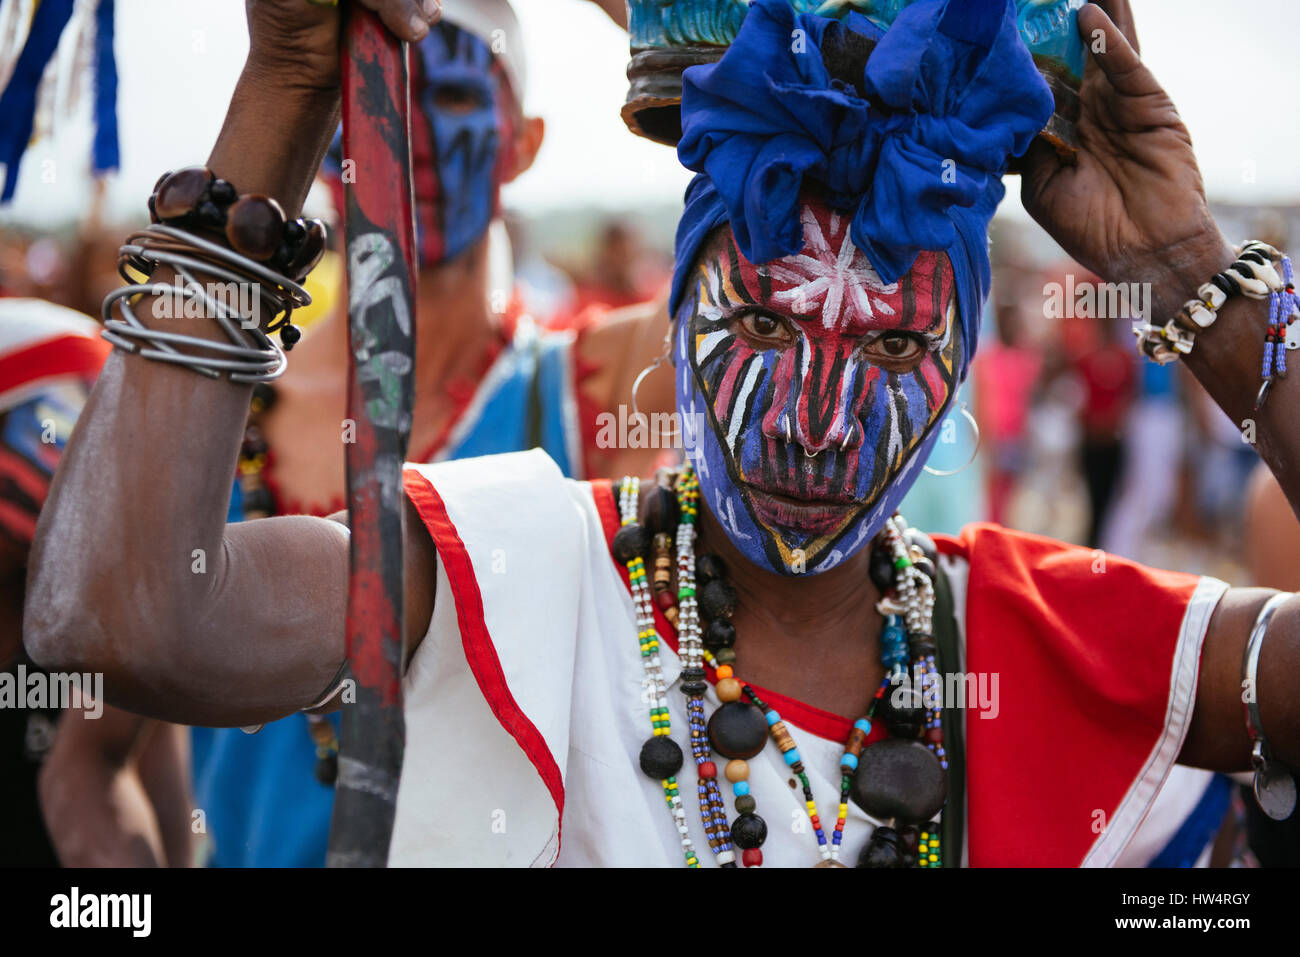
x,y
115,792
134,572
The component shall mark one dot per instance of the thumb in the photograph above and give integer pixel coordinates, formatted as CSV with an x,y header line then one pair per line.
x,y
1114,55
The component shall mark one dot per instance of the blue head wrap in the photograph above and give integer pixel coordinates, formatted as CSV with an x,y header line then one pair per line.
x,y
916,150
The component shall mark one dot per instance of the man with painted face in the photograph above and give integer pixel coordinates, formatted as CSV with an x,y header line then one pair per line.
x,y
592,660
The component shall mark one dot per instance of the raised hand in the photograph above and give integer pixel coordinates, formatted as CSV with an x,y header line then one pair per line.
x,y
1132,208
297,41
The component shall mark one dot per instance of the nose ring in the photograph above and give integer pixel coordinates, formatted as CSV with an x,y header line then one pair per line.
x,y
848,437
789,438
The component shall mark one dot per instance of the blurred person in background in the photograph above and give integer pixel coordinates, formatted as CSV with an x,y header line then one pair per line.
x,y
1105,367
49,356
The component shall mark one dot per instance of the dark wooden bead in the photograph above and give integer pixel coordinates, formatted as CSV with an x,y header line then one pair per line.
x,y
253,226
709,567
881,569
153,210
909,837
903,720
295,231
882,850
180,193
661,510
222,192
161,179
631,541
738,730
211,215
920,646
661,757
746,804
717,600
694,689
311,250
720,634
327,769
748,831
265,394
899,779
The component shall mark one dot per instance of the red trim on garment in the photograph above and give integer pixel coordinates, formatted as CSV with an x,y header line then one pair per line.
x,y
63,355
480,652
814,720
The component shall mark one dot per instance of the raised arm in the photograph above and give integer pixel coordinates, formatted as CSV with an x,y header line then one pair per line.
x,y
1132,209
133,571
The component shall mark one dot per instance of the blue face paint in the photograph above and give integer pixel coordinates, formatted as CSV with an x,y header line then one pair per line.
x,y
463,114
809,391
456,182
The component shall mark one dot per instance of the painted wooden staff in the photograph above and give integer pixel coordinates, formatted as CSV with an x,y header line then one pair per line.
x,y
381,298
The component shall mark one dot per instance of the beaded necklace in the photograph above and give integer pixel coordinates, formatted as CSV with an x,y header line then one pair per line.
x,y
899,779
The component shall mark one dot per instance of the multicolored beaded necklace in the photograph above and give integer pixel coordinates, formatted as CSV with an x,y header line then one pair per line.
x,y
901,780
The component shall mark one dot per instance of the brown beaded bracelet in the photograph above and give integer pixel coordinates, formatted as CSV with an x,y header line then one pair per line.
x,y
254,225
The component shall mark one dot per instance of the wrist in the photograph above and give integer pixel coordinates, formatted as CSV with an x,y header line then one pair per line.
x,y
1180,270
275,135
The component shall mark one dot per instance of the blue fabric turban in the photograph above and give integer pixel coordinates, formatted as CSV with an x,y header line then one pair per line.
x,y
951,92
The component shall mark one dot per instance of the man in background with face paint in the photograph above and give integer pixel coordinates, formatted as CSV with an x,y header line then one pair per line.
x,y
488,381
828,284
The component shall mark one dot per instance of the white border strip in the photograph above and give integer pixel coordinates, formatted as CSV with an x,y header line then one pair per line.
x,y
1141,795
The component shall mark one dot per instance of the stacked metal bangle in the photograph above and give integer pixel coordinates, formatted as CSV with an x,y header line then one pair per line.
x,y
1253,275
251,355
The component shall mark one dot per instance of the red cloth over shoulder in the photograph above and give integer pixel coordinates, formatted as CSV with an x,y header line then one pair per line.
x,y
1096,660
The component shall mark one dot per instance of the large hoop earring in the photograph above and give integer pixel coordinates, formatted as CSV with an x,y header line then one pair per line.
x,y
641,377
975,427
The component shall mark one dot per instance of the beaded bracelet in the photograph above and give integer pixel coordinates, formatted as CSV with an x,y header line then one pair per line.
x,y
1251,275
254,225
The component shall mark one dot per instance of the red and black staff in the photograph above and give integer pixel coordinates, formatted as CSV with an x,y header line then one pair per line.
x,y
381,304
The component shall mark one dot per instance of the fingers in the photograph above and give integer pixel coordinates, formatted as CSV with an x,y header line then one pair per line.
x,y
408,20
1112,52
1121,13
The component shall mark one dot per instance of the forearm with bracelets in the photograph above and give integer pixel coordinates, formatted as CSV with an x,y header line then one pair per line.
x,y
132,568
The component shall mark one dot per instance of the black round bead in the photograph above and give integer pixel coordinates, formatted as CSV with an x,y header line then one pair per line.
x,y
738,730
295,231
906,719
661,510
289,335
631,541
720,634
283,256
210,214
694,689
264,393
881,569
327,769
899,779
660,757
882,850
748,832
222,192
709,567
716,600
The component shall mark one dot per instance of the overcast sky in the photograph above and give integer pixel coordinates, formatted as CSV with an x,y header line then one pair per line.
x,y
1233,77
